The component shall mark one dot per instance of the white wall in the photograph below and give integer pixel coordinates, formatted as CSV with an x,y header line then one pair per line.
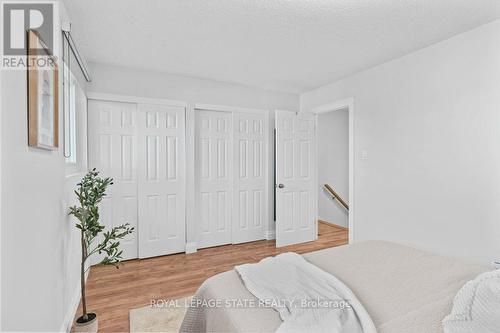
x,y
430,123
333,165
132,82
39,244
1,201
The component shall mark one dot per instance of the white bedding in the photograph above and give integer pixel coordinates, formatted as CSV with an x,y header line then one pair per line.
x,y
307,298
401,288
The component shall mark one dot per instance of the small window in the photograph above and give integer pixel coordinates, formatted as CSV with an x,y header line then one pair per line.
x,y
69,91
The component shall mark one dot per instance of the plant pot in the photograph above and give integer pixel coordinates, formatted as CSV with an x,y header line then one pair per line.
x,y
89,326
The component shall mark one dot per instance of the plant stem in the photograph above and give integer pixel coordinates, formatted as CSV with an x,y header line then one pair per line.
x,y
82,277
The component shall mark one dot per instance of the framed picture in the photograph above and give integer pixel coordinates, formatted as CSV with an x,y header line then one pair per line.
x,y
43,100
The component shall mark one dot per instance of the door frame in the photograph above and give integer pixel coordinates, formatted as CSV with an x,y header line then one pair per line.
x,y
268,168
331,107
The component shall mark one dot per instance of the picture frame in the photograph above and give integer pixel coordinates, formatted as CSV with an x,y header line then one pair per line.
x,y
43,95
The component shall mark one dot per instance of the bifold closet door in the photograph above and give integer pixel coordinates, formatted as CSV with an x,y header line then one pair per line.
x,y
213,177
112,130
161,180
231,177
250,176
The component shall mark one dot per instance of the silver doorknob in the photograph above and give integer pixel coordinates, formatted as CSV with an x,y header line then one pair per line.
x,y
281,185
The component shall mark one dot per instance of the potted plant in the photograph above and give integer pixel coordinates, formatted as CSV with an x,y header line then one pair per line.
x,y
90,192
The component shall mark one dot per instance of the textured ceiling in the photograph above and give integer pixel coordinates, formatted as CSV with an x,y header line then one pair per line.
x,y
287,45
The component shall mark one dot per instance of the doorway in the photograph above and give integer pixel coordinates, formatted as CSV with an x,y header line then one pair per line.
x,y
333,168
335,164
297,188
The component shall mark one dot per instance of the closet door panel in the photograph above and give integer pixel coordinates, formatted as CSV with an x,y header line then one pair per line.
x,y
213,177
250,178
113,151
161,180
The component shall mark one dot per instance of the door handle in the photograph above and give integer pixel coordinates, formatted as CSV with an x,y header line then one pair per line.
x,y
281,185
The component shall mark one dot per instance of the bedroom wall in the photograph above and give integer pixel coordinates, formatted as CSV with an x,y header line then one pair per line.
x,y
134,82
1,211
39,244
333,165
429,122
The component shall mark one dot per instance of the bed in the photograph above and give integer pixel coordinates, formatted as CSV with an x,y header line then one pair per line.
x,y
402,289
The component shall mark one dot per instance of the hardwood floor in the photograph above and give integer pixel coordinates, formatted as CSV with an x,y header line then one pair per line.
x,y
113,292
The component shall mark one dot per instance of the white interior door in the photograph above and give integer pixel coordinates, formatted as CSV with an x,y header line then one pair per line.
x,y
161,179
213,177
295,178
250,176
112,150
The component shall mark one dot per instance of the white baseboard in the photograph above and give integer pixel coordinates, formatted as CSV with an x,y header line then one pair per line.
x,y
191,247
73,307
270,235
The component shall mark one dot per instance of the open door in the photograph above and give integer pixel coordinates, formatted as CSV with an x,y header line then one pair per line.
x,y
295,178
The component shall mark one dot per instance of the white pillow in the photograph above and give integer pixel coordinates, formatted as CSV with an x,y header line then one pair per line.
x,y
476,307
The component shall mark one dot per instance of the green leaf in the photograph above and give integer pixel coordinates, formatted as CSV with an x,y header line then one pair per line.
x,y
89,193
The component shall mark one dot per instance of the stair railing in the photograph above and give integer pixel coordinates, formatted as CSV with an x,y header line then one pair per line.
x,y
336,196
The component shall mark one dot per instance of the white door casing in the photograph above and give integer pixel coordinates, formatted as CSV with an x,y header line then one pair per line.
x,y
250,176
295,178
161,179
113,151
213,177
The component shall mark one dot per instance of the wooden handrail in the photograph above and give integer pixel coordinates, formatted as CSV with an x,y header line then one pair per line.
x,y
336,196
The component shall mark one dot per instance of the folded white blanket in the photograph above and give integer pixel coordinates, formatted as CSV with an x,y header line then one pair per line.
x,y
307,298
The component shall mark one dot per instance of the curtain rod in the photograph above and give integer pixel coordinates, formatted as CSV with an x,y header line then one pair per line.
x,y
79,59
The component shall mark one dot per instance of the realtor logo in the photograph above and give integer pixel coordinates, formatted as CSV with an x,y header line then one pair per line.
x,y
18,18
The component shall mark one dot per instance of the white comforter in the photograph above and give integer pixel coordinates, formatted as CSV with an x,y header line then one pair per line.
x,y
403,290
307,298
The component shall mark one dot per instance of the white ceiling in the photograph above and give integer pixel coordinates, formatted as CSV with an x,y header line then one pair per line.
x,y
287,45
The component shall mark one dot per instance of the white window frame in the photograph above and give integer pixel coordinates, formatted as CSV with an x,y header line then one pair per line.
x,y
70,151
74,148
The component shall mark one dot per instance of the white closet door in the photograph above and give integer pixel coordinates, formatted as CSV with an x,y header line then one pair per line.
x,y
295,178
112,150
161,183
213,177
250,177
